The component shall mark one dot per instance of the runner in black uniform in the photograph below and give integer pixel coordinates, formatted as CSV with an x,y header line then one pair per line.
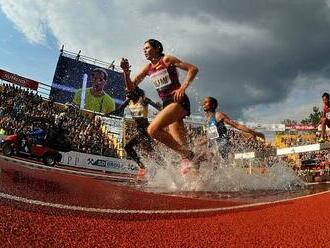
x,y
138,106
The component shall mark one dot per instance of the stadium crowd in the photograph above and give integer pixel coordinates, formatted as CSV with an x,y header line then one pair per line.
x,y
298,140
315,159
18,105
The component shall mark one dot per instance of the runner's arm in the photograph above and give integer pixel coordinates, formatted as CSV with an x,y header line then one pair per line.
x,y
120,108
237,125
320,121
191,70
131,84
322,115
154,104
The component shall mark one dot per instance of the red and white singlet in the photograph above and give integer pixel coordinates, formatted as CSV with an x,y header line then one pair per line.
x,y
164,78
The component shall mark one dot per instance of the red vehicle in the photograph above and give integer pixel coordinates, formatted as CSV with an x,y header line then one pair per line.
x,y
15,145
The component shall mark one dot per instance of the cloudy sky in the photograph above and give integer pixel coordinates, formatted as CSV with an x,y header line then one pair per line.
x,y
264,60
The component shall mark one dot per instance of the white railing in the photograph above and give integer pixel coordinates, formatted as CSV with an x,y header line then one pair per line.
x,y
284,151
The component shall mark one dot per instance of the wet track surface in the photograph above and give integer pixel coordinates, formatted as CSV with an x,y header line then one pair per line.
x,y
55,207
62,187
30,181
256,196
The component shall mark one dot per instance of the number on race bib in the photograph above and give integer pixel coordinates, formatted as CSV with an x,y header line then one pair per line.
x,y
160,79
137,111
212,132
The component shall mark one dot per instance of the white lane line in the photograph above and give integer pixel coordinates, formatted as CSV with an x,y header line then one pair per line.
x,y
132,211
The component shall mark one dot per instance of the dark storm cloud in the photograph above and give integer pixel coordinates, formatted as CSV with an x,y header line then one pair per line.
x,y
297,42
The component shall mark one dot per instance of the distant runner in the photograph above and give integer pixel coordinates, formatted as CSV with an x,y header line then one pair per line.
x,y
325,117
138,106
217,136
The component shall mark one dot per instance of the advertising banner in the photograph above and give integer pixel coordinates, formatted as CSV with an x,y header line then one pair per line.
x,y
18,80
300,127
298,149
100,163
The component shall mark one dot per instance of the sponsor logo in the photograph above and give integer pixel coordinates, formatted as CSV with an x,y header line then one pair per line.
x,y
111,164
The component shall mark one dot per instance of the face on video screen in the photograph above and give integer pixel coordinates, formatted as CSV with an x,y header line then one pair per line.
x,y
71,74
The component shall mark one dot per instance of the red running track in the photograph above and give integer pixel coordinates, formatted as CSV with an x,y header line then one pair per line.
x,y
303,222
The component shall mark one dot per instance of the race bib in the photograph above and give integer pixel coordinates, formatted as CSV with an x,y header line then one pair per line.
x,y
160,79
212,132
137,111
327,115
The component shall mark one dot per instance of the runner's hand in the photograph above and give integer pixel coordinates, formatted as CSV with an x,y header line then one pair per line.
x,y
178,94
159,105
261,136
124,65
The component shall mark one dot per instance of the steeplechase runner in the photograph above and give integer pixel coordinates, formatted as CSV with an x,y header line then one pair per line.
x,y
325,117
217,134
138,103
162,69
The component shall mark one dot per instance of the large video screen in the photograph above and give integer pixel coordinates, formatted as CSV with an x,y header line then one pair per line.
x,y
78,82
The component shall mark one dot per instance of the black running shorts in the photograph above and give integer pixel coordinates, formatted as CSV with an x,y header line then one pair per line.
x,y
185,103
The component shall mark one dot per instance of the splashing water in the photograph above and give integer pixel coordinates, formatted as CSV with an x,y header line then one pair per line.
x,y
221,178
227,177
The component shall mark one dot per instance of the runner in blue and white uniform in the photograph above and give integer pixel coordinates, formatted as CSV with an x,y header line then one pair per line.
x,y
217,135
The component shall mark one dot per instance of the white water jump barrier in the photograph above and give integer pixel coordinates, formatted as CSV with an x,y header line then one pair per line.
x,y
284,151
281,152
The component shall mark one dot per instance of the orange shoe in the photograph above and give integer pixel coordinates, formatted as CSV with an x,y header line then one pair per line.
x,y
141,172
